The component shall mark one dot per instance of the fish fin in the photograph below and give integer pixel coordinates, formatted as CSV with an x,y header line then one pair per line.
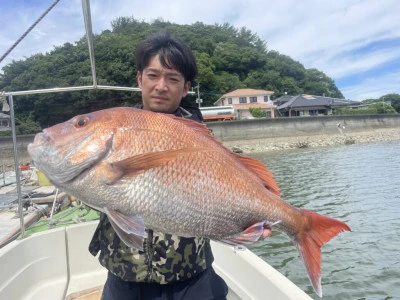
x,y
262,172
319,230
198,127
250,235
130,229
142,162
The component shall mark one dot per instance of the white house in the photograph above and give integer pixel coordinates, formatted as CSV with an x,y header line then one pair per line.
x,y
244,99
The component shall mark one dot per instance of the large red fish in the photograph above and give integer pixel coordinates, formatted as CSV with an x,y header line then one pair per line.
x,y
150,170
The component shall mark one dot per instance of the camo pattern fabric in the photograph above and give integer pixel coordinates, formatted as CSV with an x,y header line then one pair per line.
x,y
165,258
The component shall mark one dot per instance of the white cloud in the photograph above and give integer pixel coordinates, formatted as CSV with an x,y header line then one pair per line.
x,y
374,87
352,64
64,23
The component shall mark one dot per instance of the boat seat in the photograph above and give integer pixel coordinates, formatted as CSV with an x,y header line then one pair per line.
x,y
50,265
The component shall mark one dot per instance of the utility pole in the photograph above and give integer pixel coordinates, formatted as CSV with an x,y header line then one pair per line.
x,y
198,100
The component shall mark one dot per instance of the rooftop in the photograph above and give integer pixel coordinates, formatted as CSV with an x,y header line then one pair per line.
x,y
304,100
247,92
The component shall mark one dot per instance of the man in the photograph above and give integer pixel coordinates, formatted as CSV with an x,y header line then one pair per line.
x,y
170,267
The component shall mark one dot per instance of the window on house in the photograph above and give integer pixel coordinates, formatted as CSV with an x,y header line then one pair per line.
x,y
253,99
242,100
266,98
229,100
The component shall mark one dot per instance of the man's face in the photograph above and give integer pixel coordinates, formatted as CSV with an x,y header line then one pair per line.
x,y
162,88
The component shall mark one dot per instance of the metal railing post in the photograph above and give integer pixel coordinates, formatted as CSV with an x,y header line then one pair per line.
x,y
16,164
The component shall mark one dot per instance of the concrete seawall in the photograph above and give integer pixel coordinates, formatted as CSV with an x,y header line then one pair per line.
x,y
300,126
6,142
268,128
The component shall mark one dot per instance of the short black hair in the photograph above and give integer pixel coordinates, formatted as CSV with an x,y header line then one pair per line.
x,y
173,53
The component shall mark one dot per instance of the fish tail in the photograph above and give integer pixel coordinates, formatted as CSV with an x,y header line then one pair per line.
x,y
317,231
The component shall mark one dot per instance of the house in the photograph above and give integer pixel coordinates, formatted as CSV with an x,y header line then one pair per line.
x,y
309,105
244,99
4,122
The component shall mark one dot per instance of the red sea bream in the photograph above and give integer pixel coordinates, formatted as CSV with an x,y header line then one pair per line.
x,y
156,171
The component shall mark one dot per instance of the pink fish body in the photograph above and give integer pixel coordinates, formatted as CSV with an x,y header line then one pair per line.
x,y
149,170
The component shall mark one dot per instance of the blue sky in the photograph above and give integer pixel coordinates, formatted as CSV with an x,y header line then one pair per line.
x,y
356,43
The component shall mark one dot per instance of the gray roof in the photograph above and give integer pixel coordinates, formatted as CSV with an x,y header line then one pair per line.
x,y
311,101
4,116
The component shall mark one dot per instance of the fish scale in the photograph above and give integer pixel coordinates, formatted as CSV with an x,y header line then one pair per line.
x,y
156,171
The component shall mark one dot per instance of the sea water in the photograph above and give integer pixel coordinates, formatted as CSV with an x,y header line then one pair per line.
x,y
358,184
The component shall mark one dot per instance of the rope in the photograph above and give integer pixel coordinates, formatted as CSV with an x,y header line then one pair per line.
x,y
29,29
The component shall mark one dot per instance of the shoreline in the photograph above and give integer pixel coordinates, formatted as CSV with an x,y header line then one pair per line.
x,y
311,141
266,144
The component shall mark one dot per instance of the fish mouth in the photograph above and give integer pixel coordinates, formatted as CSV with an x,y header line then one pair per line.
x,y
41,138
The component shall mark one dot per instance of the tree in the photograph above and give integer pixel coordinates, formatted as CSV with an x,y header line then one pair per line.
x,y
257,112
317,83
227,82
394,99
233,58
383,108
27,126
206,69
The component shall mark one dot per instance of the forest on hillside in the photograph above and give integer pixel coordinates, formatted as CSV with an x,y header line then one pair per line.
x,y
228,58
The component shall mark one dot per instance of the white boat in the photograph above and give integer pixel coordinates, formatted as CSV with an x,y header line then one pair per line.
x,y
56,264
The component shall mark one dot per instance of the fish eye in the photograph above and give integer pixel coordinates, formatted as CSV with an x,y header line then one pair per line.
x,y
81,122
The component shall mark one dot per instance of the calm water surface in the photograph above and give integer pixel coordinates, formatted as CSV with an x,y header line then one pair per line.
x,y
360,185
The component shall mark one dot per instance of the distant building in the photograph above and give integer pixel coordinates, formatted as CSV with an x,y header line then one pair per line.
x,y
309,105
244,99
4,122
218,113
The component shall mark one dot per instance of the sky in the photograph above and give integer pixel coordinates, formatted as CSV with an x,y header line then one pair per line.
x,y
354,42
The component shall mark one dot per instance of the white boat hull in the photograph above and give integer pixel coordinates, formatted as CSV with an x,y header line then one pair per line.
x,y
56,264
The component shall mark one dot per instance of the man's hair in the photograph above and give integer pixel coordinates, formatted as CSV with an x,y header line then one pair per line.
x,y
172,52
